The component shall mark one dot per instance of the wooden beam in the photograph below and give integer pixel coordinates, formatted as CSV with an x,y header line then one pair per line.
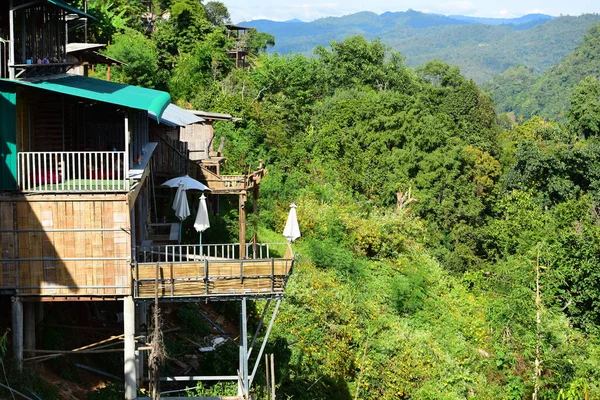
x,y
242,215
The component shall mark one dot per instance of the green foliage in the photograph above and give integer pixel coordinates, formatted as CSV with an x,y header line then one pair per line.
x,y
548,94
217,13
424,225
584,113
219,389
409,290
482,49
140,55
206,62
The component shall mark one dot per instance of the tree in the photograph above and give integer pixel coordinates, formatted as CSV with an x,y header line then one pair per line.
x,y
217,13
141,58
584,113
258,41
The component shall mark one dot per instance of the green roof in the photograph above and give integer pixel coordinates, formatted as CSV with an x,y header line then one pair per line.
x,y
140,98
74,10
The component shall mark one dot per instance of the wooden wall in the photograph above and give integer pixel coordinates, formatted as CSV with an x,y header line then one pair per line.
x,y
66,245
199,138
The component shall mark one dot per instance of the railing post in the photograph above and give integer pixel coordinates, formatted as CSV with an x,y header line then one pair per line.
x,y
241,271
206,275
272,274
172,281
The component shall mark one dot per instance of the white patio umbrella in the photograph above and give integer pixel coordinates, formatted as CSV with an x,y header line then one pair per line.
x,y
189,183
202,223
292,230
180,204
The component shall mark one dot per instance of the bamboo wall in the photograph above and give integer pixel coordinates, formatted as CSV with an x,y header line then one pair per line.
x,y
199,138
66,245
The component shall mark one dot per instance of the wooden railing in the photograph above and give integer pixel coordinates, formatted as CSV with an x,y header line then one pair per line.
x,y
208,278
182,253
211,270
73,171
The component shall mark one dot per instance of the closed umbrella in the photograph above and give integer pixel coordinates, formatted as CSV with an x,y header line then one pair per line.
x,y
202,223
292,230
181,206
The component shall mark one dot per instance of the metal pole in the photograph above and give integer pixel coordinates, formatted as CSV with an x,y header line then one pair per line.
x,y
272,376
244,352
264,343
130,369
260,324
11,17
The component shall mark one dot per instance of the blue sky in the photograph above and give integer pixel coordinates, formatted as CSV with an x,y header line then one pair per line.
x,y
308,10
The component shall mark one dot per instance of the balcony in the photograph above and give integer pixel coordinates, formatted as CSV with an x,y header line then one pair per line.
x,y
70,171
211,271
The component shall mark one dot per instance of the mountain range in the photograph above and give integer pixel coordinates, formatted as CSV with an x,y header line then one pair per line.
x,y
482,47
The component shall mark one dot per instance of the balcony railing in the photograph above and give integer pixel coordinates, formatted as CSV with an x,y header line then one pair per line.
x,y
70,171
185,253
183,271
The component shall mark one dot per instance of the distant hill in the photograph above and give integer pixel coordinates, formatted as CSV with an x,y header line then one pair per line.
x,y
482,47
520,91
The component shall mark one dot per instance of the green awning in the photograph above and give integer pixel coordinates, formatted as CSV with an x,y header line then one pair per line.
x,y
65,6
140,98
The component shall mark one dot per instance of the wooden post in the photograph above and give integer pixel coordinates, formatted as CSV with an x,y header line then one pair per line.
x,y
17,331
242,212
267,375
255,212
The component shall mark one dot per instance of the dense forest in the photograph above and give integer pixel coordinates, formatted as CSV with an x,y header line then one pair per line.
x,y
522,92
481,47
448,252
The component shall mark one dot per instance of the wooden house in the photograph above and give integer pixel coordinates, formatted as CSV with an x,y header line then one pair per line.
x,y
75,164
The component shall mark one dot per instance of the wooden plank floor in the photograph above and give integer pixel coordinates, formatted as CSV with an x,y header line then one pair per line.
x,y
213,278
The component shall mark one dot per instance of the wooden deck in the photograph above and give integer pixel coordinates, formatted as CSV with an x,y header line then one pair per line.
x,y
231,184
212,278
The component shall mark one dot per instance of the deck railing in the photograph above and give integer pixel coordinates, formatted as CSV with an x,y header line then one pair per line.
x,y
72,171
181,271
185,253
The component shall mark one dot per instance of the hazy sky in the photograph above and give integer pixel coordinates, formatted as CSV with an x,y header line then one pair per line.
x,y
308,10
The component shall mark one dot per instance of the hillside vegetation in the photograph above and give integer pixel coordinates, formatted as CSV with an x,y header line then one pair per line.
x,y
520,91
444,255
482,48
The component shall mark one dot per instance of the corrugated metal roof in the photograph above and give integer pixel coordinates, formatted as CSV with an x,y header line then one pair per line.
x,y
75,47
177,116
154,101
215,116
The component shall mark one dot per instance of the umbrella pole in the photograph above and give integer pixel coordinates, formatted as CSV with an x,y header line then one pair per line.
x,y
201,253
180,229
